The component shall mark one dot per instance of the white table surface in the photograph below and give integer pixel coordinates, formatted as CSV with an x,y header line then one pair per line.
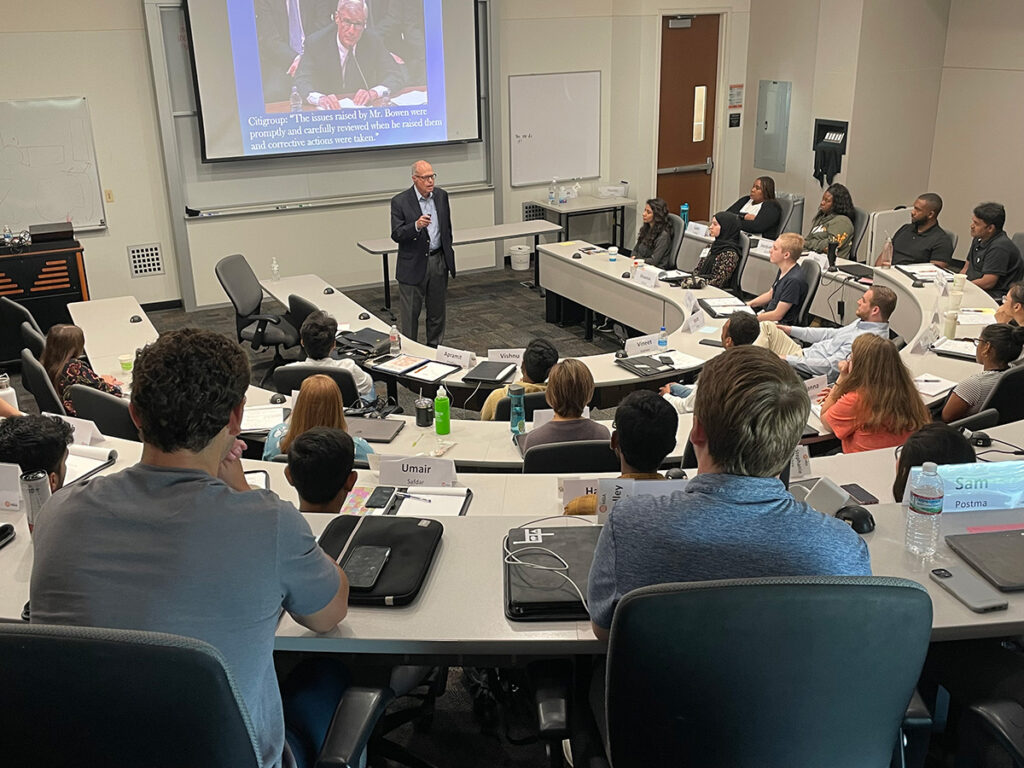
x,y
473,235
586,204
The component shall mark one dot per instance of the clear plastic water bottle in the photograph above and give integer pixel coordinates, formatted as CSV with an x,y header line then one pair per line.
x,y
684,214
442,412
662,340
613,253
275,269
563,195
924,511
553,191
517,410
8,235
295,100
396,340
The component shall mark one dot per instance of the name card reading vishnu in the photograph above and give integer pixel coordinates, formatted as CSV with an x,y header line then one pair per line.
x,y
416,471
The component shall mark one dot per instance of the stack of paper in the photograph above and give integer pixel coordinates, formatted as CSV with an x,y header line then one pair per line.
x,y
425,501
933,386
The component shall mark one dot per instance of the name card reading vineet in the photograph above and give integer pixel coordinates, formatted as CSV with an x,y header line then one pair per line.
x,y
647,277
460,357
972,487
416,471
506,355
641,345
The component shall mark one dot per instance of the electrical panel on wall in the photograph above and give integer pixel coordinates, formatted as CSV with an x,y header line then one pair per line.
x,y
771,134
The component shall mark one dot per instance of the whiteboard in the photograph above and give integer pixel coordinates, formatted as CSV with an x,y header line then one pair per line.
x,y
554,127
48,165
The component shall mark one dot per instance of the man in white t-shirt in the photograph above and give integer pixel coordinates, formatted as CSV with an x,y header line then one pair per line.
x,y
318,335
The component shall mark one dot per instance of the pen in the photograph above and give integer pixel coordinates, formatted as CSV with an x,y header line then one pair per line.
x,y
404,495
928,381
978,311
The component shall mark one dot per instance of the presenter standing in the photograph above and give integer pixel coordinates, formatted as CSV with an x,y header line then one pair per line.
x,y
421,224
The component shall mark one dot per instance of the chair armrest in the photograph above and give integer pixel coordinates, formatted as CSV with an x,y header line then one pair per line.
x,y
354,719
1004,721
268,318
261,328
551,683
917,714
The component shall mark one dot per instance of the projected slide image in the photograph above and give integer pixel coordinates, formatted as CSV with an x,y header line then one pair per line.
x,y
314,75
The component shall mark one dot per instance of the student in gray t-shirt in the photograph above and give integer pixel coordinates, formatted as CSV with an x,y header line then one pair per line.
x,y
178,543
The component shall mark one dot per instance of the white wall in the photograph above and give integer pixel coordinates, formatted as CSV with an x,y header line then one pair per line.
x,y
98,50
976,154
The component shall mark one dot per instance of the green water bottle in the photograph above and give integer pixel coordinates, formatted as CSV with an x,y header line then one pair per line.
x,y
442,413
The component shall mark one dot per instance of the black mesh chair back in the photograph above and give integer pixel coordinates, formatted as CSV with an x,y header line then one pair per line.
x,y
860,228
109,412
786,204
121,697
796,671
577,456
532,401
812,275
1018,240
15,314
298,310
289,378
980,420
678,230
35,380
1005,396
954,238
246,294
733,286
33,339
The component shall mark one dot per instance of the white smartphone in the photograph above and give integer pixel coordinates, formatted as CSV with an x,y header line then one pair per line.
x,y
969,588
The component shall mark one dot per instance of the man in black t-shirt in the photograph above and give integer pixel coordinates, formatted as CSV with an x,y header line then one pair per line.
x,y
993,262
782,303
922,240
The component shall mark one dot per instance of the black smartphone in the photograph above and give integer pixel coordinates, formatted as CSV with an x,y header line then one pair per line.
x,y
7,534
858,494
364,564
711,342
381,497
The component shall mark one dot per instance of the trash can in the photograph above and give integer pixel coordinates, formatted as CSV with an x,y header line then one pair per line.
x,y
520,257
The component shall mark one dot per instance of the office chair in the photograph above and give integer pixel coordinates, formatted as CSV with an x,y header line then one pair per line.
x,y
576,456
980,420
991,735
37,382
678,230
246,294
289,379
1018,240
298,310
860,228
774,671
896,339
15,314
532,401
109,412
733,286
33,339
812,275
124,697
786,204
954,239
1005,396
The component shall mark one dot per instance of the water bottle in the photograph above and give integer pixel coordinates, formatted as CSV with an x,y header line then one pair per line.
x,y
662,340
517,420
924,510
684,214
295,100
553,191
563,195
7,391
442,413
634,268
613,253
275,269
395,339
8,236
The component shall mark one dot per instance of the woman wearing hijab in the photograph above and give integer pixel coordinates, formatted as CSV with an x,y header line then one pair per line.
x,y
719,260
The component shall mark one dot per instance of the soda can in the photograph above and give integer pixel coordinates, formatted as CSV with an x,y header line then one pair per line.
x,y
35,490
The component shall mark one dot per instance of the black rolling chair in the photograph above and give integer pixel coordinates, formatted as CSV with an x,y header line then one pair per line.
x,y
1005,396
744,672
33,339
15,314
812,275
860,228
299,309
733,286
288,379
786,206
109,412
678,230
1018,240
577,456
130,698
246,294
533,401
35,380
980,420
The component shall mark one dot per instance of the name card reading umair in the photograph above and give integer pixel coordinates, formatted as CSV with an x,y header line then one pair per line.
x,y
416,471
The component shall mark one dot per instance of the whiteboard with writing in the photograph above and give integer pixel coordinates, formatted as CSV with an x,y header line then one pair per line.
x,y
554,127
48,164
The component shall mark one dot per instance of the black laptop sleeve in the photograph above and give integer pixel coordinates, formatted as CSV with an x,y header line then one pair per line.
x,y
413,542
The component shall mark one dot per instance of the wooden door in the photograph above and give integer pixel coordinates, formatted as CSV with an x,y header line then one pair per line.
x,y
686,119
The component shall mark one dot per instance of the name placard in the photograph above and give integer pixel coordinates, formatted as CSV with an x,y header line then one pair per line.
x,y
460,357
697,320
647,277
86,432
982,486
641,345
689,301
696,228
574,487
815,386
506,355
417,470
10,487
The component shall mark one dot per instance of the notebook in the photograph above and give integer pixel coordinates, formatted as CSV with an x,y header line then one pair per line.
x,y
960,349
490,372
856,270
540,595
432,502
998,556
375,430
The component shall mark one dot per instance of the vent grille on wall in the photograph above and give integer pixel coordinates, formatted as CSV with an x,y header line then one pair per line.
x,y
145,260
532,212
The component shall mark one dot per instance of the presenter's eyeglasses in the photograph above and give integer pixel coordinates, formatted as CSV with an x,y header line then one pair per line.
x,y
352,24
427,177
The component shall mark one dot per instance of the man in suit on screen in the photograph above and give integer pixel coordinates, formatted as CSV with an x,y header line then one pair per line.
x,y
421,224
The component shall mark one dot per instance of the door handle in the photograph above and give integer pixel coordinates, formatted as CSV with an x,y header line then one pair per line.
x,y
706,167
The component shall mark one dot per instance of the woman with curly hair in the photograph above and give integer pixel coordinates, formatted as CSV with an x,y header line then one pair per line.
x,y
654,241
833,222
65,345
874,403
759,212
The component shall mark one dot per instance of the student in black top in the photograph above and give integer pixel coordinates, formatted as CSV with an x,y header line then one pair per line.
x,y
993,262
759,212
922,240
782,303
718,261
654,241
1012,309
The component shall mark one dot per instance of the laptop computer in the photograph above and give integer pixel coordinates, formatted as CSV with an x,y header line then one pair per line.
x,y
998,556
375,430
532,594
856,270
490,372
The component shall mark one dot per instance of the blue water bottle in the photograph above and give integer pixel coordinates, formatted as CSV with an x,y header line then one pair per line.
x,y
684,214
517,415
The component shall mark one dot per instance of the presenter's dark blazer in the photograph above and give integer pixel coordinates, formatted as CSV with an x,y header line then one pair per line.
x,y
272,29
367,66
414,246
